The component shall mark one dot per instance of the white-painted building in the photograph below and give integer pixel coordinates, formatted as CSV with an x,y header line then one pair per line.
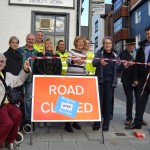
x,y
97,31
58,19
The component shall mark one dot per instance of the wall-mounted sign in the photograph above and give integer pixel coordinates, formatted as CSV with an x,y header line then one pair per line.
x,y
98,7
56,3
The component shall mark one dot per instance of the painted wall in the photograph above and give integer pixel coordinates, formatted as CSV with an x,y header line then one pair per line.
x,y
15,20
99,33
145,20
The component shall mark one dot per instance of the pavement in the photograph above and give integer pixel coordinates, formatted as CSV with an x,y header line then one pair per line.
x,y
117,138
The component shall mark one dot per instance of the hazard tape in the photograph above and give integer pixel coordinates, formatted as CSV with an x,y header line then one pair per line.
x,y
84,59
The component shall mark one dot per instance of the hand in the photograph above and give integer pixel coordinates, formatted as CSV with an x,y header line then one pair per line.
x,y
78,61
148,64
26,65
103,62
135,82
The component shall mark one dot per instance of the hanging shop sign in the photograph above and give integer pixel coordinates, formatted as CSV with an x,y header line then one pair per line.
x,y
98,7
51,3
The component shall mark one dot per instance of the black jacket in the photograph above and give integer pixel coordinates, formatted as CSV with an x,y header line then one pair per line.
x,y
47,66
14,61
141,71
127,74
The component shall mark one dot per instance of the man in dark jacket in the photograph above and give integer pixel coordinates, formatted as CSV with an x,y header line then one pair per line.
x,y
140,74
127,78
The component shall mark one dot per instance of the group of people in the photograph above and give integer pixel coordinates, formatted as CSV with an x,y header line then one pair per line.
x,y
75,62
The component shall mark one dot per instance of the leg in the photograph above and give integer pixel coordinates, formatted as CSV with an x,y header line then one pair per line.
x,y
107,106
6,124
16,115
28,100
128,89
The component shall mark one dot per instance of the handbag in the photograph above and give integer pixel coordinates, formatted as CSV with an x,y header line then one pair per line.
x,y
14,96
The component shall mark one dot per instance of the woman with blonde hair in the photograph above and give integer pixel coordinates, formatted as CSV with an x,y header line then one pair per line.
x,y
48,66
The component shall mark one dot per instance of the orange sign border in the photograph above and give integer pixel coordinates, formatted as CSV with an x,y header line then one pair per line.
x,y
67,120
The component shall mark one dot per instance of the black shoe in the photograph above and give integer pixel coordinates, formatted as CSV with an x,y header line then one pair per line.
x,y
105,128
76,126
68,129
133,126
96,127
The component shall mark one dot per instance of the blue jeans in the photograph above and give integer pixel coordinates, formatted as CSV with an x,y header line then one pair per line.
x,y
28,100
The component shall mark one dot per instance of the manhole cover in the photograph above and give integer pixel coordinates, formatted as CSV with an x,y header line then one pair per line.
x,y
120,134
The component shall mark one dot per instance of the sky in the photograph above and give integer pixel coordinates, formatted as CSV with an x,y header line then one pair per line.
x,y
84,17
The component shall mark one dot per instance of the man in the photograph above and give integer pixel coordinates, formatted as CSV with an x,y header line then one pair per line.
x,y
140,75
38,45
127,78
26,52
63,54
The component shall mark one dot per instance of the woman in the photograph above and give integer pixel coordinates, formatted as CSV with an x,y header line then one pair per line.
x,y
48,66
76,67
14,58
10,114
89,57
107,79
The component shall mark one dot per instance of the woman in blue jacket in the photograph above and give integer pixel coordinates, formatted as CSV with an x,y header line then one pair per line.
x,y
106,71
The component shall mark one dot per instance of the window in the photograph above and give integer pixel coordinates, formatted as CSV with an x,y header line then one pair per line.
x,y
119,46
138,39
117,4
54,26
96,26
149,7
117,25
96,42
137,16
120,23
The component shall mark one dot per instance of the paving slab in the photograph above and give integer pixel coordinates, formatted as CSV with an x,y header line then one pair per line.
x,y
63,146
91,145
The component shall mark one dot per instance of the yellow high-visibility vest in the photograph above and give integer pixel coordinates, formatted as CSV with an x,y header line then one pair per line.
x,y
64,58
39,48
89,66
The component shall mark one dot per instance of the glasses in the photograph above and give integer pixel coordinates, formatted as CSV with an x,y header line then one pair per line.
x,y
2,61
108,43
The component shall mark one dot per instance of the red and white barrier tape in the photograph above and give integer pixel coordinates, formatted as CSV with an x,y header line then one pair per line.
x,y
84,59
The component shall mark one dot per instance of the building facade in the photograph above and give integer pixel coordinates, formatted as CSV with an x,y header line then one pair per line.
x,y
139,19
59,20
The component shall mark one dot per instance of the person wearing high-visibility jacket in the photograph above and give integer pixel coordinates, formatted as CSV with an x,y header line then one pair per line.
x,y
63,55
89,57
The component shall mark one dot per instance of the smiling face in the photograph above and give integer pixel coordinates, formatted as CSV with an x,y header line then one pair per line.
x,y
80,45
30,40
39,37
49,45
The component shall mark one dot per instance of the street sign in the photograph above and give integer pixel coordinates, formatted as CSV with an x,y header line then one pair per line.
x,y
98,7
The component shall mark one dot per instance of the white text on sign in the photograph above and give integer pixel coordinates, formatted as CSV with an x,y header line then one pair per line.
x,y
62,90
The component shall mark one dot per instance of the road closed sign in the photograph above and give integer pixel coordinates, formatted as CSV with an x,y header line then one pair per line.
x,y
65,98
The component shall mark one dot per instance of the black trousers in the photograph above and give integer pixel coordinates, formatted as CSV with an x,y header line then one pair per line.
x,y
130,91
141,100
